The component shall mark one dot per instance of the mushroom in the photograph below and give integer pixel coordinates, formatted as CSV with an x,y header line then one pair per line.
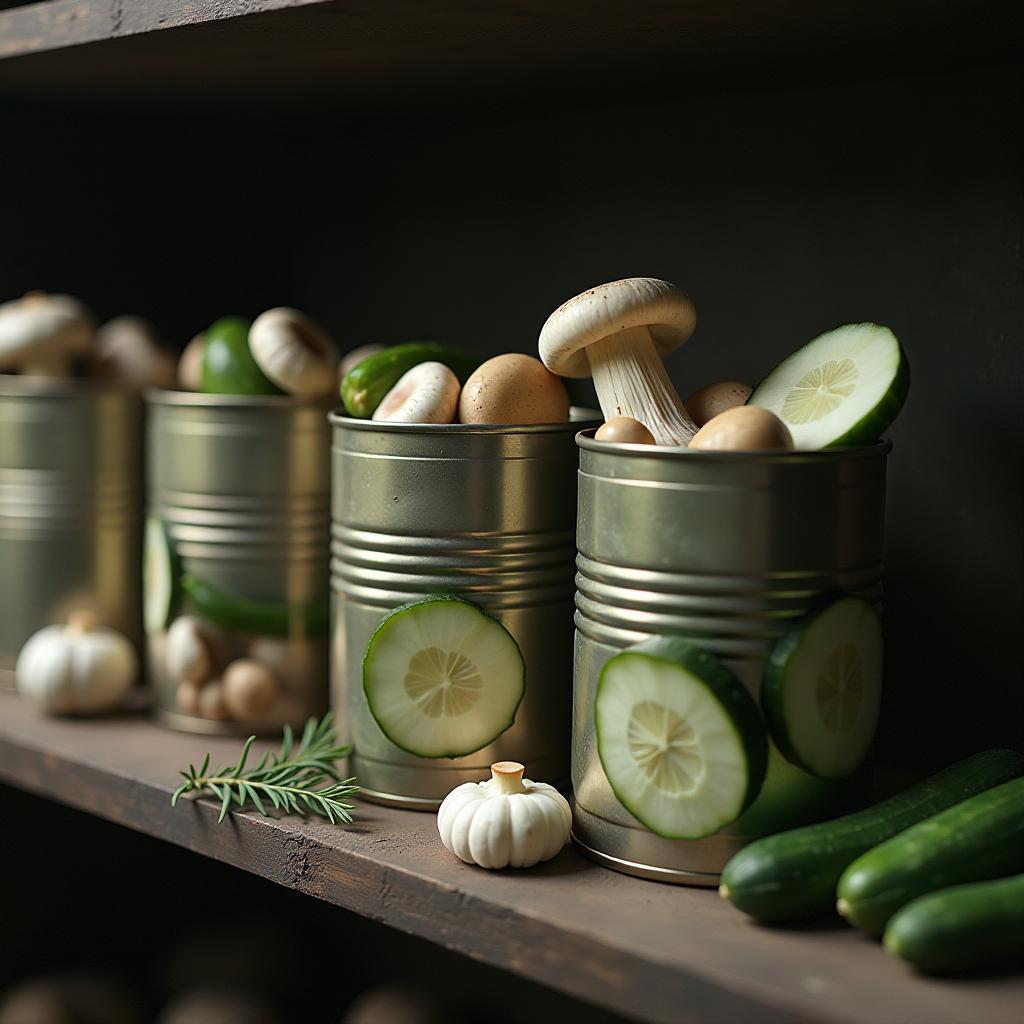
x,y
623,430
295,353
42,333
352,359
617,333
428,393
190,365
713,399
128,349
190,653
186,696
210,702
250,688
513,388
746,428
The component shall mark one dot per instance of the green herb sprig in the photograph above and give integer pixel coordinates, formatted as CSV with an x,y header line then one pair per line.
x,y
300,779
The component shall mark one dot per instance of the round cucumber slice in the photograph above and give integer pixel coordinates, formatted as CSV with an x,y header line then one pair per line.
x,y
843,388
823,686
442,678
680,739
161,575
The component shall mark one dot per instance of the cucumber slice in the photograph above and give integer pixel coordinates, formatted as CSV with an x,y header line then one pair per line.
x,y
823,686
442,678
843,388
161,575
679,737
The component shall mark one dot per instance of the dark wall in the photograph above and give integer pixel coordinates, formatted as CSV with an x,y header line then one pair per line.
x,y
783,212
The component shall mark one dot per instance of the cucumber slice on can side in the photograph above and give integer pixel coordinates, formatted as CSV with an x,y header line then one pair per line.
x,y
442,678
679,737
161,577
823,687
843,388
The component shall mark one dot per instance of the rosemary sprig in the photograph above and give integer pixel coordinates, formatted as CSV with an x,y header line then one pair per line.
x,y
300,779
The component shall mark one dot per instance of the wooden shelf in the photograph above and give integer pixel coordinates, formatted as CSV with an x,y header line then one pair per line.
x,y
654,952
404,54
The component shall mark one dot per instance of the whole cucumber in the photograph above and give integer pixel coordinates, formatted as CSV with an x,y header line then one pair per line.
x,y
793,875
363,388
978,839
248,615
980,924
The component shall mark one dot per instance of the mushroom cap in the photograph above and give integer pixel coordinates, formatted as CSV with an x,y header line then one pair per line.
x,y
744,428
427,393
624,430
128,349
712,399
513,389
38,322
609,308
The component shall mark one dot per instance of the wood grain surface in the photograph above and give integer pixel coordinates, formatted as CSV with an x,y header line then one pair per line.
x,y
658,953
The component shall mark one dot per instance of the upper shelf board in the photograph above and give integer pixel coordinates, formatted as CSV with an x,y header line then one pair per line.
x,y
363,55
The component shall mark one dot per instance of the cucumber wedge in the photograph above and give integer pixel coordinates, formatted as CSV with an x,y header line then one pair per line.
x,y
980,924
679,737
250,615
442,678
843,388
161,577
823,686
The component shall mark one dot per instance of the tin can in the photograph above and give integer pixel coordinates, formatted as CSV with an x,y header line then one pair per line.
x,y
725,549
239,490
484,512
70,507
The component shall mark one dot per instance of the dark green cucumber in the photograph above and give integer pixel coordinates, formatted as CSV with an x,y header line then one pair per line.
x,y
363,388
266,618
973,841
980,924
228,366
793,875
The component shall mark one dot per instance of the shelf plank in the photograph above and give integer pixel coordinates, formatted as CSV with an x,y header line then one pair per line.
x,y
366,54
649,951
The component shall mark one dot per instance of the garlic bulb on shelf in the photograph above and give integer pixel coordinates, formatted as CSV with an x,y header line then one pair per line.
x,y
506,821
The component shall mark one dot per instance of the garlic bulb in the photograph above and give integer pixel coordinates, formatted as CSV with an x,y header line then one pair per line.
x,y
507,821
76,669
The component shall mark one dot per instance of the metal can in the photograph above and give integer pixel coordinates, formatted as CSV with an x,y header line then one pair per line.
x,y
726,549
239,489
484,512
70,507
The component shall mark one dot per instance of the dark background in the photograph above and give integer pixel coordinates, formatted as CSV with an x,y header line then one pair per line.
x,y
786,203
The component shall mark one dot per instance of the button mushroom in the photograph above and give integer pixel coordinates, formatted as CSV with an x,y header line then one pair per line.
x,y
428,393
190,651
210,702
128,349
617,333
250,689
513,388
190,365
41,333
623,430
747,428
709,401
294,352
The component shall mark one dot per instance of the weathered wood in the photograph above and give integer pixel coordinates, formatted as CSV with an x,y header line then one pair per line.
x,y
650,951
361,54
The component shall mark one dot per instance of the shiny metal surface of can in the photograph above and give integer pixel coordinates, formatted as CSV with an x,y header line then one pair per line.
x,y
241,484
484,512
70,507
725,549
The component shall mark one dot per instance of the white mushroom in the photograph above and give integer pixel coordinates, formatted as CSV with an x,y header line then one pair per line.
x,y
127,349
190,654
617,333
428,393
190,365
293,352
44,331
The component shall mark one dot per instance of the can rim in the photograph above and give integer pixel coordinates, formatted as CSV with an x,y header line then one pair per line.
x,y
18,385
585,439
588,418
166,396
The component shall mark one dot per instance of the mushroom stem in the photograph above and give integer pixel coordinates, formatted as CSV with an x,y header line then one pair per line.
x,y
508,777
631,380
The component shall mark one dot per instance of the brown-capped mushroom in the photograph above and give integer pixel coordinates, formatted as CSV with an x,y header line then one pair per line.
x,y
210,702
712,399
623,430
127,349
428,393
617,333
186,696
746,428
43,332
250,689
513,388
293,352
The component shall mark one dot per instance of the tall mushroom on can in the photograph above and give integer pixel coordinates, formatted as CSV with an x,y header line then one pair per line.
x,y
617,333
41,334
